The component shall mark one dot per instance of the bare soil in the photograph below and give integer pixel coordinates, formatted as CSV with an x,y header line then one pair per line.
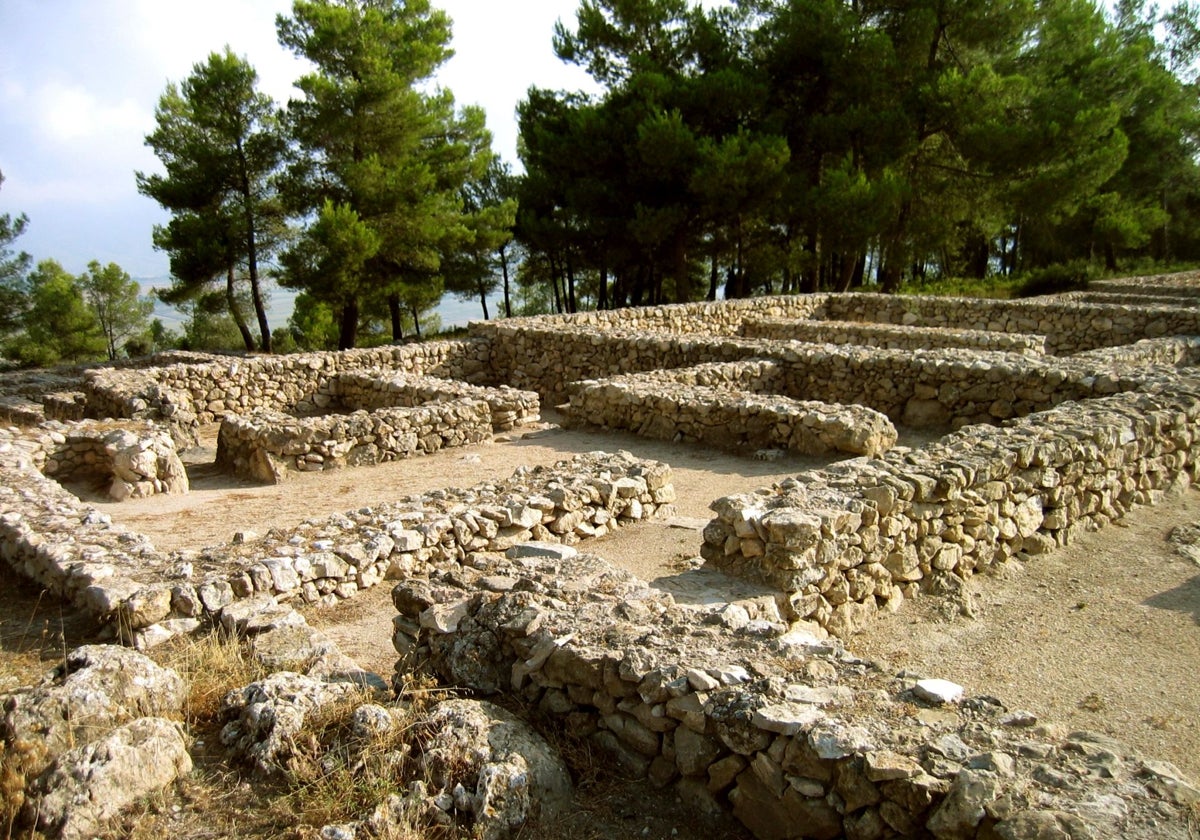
x,y
1101,635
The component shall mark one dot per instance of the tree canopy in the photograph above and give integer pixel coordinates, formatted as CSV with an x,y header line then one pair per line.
x,y
14,271
220,142
792,145
381,159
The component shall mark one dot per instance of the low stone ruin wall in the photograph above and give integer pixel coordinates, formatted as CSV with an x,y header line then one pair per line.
x,y
892,337
923,389
1069,327
794,735
660,406
118,577
1183,284
1134,299
266,445
1177,352
859,536
132,459
202,393
543,354
16,410
374,389
67,406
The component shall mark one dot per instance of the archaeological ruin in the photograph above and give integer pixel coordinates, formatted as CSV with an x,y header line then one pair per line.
x,y
1047,418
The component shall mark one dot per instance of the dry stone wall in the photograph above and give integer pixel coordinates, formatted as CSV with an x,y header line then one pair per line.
x,y
202,393
132,459
369,390
923,389
796,736
670,405
892,337
266,445
117,576
1069,327
859,536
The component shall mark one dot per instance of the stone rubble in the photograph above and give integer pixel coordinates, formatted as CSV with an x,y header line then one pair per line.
x,y
95,689
498,772
93,783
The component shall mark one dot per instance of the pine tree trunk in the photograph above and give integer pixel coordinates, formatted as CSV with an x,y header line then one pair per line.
x,y
504,272
235,311
348,334
483,299
393,302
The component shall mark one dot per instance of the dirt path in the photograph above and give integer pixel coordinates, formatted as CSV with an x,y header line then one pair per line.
x,y
1102,635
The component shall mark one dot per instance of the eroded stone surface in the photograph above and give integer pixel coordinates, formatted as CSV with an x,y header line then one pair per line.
x,y
97,688
90,784
678,701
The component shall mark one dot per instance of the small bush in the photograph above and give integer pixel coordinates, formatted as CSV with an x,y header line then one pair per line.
x,y
1056,279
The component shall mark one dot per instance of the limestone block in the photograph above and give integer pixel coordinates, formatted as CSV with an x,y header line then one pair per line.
x,y
93,783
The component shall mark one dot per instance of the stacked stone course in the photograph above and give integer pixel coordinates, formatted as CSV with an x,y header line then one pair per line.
x,y
118,577
369,390
924,389
267,445
132,459
798,737
858,536
673,405
892,337
207,392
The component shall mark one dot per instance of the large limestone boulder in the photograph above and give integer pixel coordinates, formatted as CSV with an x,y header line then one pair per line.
x,y
144,464
97,688
504,773
88,785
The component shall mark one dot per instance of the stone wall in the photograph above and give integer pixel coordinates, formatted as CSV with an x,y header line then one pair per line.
x,y
267,445
369,390
670,405
892,337
1069,327
132,459
119,578
202,393
793,734
859,536
923,389
20,411
546,353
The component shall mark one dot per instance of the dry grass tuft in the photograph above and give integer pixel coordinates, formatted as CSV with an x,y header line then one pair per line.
x,y
211,666
20,761
336,775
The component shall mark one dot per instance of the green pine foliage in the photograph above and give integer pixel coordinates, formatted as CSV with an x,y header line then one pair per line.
x,y
797,145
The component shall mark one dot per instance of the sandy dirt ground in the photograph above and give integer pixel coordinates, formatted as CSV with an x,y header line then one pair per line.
x,y
1102,635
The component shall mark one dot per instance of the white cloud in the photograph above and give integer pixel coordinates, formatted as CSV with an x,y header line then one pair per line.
x,y
68,113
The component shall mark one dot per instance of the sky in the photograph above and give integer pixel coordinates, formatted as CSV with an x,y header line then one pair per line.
x,y
79,81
